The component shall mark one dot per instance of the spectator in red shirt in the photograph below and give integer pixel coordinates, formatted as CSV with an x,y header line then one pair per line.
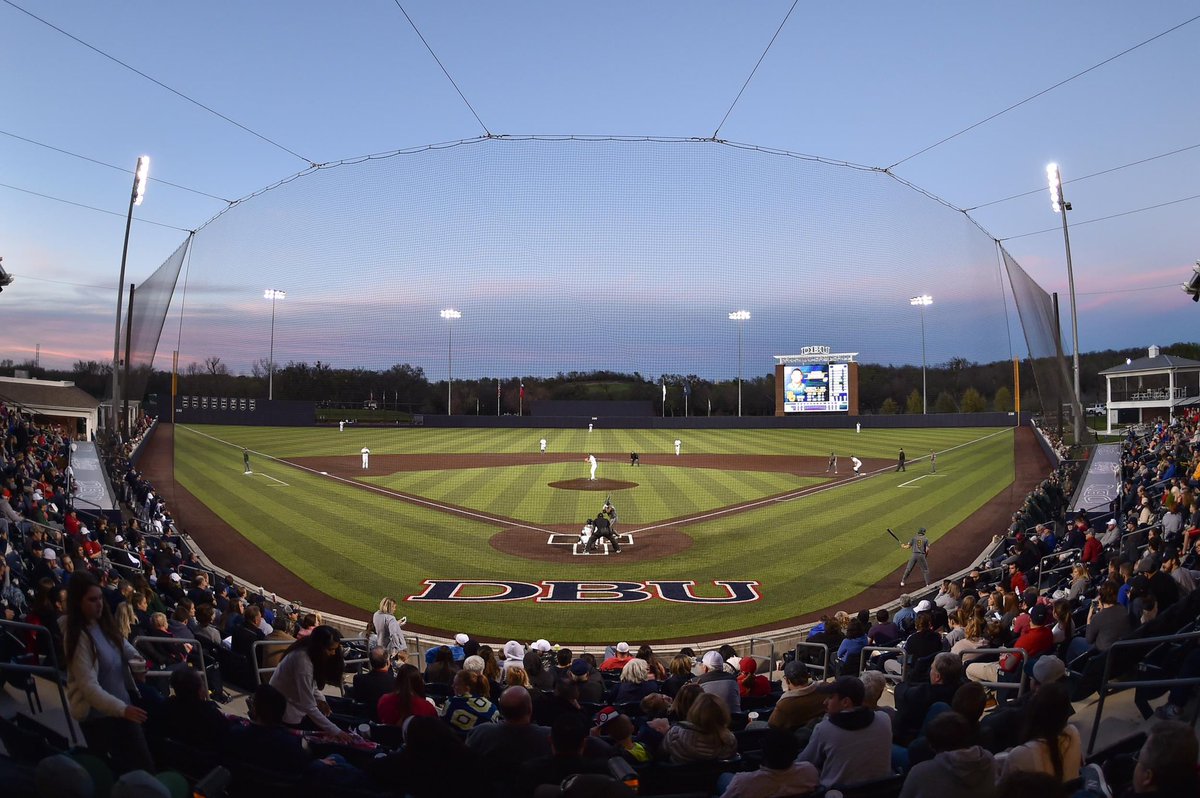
x,y
1038,639
407,699
1093,552
1017,580
749,683
617,661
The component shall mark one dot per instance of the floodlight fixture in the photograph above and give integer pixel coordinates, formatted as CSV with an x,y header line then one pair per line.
x,y
140,176
922,302
450,314
1059,205
739,316
1191,287
272,294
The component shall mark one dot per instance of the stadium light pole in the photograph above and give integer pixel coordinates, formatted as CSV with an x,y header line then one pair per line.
x,y
1061,206
739,316
921,302
140,174
450,314
272,294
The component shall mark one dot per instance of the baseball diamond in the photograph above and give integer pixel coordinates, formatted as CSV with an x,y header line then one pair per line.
x,y
474,508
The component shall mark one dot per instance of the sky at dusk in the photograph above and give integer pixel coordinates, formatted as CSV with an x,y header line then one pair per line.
x,y
578,255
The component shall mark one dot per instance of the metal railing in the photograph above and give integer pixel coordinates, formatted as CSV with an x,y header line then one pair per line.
x,y
771,656
862,661
1107,684
188,647
50,672
264,674
1018,685
1057,556
823,667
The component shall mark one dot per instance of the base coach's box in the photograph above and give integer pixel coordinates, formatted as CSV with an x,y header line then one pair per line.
x,y
239,410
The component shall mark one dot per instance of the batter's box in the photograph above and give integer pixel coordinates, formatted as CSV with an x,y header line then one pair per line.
x,y
577,548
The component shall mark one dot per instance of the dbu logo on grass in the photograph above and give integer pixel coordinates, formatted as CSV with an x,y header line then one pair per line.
x,y
563,591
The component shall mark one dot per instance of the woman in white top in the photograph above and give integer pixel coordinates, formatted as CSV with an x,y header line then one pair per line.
x,y
1052,745
388,634
307,666
99,682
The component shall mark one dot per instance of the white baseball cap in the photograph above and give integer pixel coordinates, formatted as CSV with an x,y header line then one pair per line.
x,y
461,639
49,554
543,645
924,605
623,648
713,661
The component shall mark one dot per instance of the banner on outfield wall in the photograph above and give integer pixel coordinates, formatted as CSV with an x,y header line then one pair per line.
x,y
571,592
1101,482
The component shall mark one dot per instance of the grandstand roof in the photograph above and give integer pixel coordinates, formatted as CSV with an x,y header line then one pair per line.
x,y
44,394
1160,363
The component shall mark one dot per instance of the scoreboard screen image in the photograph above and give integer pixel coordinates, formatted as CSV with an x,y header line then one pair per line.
x,y
818,387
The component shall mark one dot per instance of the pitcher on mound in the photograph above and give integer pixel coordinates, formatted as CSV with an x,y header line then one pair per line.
x,y
591,461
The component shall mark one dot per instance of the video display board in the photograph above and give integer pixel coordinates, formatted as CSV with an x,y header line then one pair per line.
x,y
816,387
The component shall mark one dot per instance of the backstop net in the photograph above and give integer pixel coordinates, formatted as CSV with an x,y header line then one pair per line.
x,y
583,254
1043,336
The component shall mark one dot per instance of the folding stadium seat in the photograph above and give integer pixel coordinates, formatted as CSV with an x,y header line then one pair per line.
x,y
700,777
888,787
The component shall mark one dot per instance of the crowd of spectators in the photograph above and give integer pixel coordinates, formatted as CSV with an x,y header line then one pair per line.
x,y
516,718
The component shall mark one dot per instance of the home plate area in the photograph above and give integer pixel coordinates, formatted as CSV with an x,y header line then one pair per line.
x,y
578,546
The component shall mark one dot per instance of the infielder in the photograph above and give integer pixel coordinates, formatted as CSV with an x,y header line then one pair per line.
x,y
678,443
857,465
832,467
543,445
366,455
920,549
591,461
341,426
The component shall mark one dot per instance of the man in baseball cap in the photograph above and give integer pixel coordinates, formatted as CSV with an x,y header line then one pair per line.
x,y
853,743
718,681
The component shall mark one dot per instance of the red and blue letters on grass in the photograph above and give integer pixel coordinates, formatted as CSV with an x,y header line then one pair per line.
x,y
565,591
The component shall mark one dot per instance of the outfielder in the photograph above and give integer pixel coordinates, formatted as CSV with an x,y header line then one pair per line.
x,y
366,457
932,461
920,549
543,444
678,443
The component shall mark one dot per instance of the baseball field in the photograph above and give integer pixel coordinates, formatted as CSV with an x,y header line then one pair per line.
x,y
477,530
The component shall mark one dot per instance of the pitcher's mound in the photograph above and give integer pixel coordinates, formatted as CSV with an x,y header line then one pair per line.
x,y
593,484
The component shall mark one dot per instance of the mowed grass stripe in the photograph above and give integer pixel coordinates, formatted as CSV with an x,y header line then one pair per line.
x,y
759,545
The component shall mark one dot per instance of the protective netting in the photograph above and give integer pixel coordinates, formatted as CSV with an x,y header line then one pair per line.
x,y
151,301
574,255
1044,339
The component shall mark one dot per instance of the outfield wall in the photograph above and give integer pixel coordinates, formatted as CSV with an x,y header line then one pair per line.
x,y
930,421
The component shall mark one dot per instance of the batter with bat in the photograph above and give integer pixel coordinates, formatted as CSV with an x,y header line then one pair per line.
x,y
919,545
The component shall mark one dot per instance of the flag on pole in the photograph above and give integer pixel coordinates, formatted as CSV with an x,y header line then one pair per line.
x,y
664,390
522,390
687,389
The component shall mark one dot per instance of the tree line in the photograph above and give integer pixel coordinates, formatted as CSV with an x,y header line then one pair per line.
x,y
956,386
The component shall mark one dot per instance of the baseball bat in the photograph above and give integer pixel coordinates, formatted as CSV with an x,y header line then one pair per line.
x,y
893,534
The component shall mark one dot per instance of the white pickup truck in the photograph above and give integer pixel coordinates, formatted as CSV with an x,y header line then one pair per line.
x,y
1096,410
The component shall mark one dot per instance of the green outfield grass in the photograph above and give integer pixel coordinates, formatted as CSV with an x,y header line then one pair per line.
x,y
525,493
806,553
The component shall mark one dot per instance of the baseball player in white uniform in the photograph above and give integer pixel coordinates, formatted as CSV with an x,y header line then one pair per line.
x,y
591,461
678,444
543,444
366,455
857,466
